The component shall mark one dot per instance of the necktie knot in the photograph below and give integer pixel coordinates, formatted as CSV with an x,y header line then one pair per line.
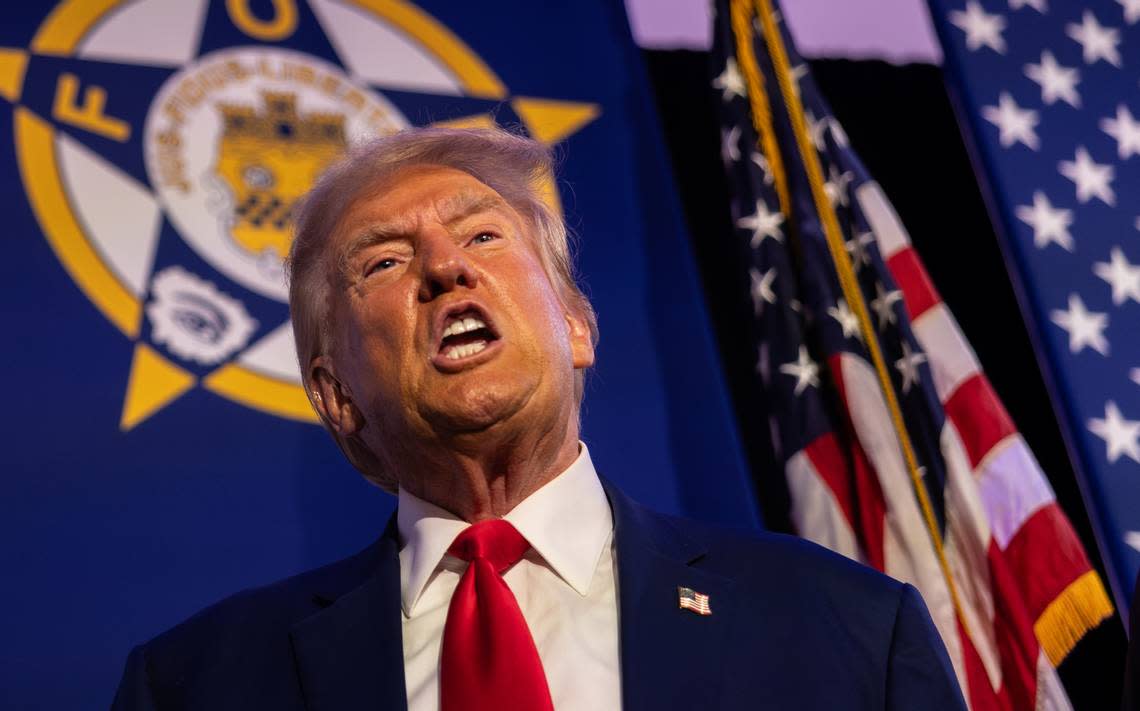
x,y
495,540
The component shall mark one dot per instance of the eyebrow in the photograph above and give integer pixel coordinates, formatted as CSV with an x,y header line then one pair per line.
x,y
454,209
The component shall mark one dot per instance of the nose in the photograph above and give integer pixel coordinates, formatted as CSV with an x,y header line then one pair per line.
x,y
446,266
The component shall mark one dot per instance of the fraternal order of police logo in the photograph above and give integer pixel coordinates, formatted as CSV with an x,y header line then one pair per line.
x,y
165,162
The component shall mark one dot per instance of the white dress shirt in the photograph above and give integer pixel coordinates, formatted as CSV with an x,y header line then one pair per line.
x,y
565,586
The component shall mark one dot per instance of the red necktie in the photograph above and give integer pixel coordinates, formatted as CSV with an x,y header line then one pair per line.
x,y
489,661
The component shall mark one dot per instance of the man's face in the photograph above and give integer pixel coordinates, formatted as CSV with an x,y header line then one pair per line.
x,y
443,319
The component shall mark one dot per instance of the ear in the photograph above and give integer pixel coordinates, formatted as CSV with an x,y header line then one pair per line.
x,y
581,340
333,399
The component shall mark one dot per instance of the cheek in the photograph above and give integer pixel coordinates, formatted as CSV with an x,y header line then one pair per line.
x,y
383,328
538,308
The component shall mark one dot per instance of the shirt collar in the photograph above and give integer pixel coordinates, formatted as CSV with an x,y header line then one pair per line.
x,y
567,521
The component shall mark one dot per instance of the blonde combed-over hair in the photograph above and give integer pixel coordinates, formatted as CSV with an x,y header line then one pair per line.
x,y
514,166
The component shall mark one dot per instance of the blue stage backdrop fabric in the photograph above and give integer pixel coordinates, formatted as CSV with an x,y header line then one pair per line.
x,y
1047,95
159,450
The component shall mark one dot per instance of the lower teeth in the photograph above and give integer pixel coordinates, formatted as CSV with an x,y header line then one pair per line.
x,y
469,349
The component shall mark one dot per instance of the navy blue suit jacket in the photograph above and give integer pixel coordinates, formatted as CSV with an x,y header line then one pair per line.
x,y
794,626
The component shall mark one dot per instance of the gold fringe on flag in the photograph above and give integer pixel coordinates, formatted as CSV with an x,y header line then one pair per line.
x,y
1080,607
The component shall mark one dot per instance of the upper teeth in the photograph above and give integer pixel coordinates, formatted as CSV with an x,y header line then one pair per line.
x,y
463,325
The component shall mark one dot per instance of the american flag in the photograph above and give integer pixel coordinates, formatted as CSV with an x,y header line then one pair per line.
x,y
896,450
1049,92
689,599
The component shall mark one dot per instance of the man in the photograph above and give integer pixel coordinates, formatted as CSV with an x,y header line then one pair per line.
x,y
444,344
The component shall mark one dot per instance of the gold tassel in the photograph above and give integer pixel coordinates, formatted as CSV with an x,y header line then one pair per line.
x,y
1079,608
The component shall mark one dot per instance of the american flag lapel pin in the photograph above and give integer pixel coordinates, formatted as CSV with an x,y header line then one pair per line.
x,y
689,599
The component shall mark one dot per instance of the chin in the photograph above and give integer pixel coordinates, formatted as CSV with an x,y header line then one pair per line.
x,y
476,405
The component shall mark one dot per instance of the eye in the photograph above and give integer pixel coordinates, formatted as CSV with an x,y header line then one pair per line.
x,y
381,265
484,237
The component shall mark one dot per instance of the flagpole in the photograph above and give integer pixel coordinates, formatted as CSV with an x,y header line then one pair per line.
x,y
846,273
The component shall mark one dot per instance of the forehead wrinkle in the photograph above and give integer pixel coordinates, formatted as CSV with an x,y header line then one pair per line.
x,y
448,210
466,203
373,235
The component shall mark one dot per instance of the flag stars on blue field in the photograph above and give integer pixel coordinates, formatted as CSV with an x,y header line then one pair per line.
x,y
762,292
1121,275
730,81
1050,224
846,319
1038,5
884,305
763,224
982,29
1085,328
1131,10
1015,124
1125,129
765,167
908,367
1056,81
1097,41
1121,435
837,185
859,247
816,129
730,144
804,370
1092,179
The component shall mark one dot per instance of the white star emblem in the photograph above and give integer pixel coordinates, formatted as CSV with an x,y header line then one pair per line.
x,y
908,366
1049,224
1038,5
846,319
838,133
1120,435
816,129
859,249
1014,123
1121,275
1091,178
1132,538
763,224
1135,375
1097,41
1057,82
981,28
1125,129
765,168
1131,10
762,288
1085,328
884,305
730,144
730,81
804,370
836,185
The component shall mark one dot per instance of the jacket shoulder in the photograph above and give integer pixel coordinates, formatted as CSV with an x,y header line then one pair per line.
x,y
248,632
816,586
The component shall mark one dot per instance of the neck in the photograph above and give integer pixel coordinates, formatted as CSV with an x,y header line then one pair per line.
x,y
484,476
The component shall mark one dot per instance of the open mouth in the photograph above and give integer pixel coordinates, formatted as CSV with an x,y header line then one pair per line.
x,y
467,331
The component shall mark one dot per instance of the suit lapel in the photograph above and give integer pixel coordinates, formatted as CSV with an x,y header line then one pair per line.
x,y
350,655
670,657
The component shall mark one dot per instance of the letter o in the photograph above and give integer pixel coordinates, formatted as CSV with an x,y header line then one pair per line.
x,y
282,24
